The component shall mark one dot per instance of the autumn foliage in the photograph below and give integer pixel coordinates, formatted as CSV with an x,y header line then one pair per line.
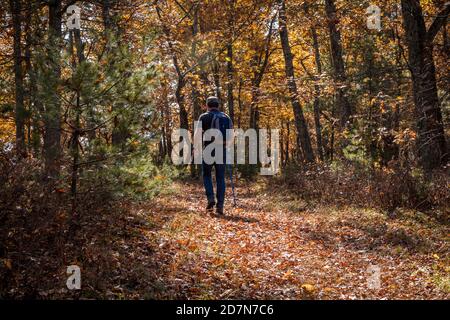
x,y
86,123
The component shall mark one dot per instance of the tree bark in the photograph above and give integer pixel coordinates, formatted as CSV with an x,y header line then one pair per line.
x,y
240,107
259,64
16,9
195,92
337,60
120,132
230,69
216,76
166,119
75,40
431,137
181,77
35,104
230,84
106,8
179,96
303,140
52,135
317,94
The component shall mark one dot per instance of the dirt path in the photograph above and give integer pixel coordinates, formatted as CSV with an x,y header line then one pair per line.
x,y
263,250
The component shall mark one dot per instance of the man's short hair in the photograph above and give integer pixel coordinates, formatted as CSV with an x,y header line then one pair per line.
x,y
212,102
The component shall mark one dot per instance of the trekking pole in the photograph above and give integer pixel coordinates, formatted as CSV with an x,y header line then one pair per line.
x,y
230,169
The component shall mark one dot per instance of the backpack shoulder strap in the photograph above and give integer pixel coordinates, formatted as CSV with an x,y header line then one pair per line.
x,y
214,121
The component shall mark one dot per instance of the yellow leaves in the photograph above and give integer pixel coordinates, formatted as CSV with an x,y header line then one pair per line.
x,y
126,16
160,177
328,290
7,130
308,288
135,143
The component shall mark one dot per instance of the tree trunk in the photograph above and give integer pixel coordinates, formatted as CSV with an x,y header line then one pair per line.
x,y
240,107
230,69
181,81
446,42
216,76
288,135
184,119
259,64
339,75
106,8
167,120
431,138
18,75
230,88
75,40
317,94
253,120
304,139
195,92
120,132
52,136
35,104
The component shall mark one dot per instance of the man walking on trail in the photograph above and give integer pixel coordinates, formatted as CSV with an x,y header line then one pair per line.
x,y
215,119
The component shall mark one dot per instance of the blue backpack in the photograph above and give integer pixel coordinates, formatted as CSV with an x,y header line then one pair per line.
x,y
221,122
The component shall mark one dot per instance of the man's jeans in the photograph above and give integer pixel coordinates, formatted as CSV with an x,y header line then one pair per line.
x,y
220,181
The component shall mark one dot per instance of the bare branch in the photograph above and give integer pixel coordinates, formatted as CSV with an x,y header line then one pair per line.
x,y
438,22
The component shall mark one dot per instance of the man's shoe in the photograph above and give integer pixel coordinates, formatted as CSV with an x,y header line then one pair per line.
x,y
210,206
219,211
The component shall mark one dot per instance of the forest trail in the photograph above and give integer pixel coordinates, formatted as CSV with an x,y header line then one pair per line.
x,y
263,250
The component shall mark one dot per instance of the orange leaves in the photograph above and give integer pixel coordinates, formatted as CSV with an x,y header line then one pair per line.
x,y
288,275
281,255
188,244
7,263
